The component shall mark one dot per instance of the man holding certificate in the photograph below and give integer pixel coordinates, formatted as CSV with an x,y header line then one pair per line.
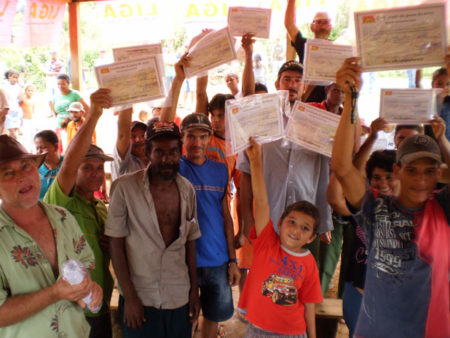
x,y
321,28
291,172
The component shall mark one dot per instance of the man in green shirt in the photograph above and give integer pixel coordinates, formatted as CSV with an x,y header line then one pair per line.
x,y
81,174
35,240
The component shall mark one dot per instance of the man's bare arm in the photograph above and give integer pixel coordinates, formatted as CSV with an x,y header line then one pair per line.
x,y
248,77
169,109
202,95
124,132
233,271
194,300
246,202
347,77
289,20
80,144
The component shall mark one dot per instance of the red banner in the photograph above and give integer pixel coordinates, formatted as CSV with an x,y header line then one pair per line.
x,y
7,12
43,23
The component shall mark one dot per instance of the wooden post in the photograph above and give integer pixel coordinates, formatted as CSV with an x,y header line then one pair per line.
x,y
75,46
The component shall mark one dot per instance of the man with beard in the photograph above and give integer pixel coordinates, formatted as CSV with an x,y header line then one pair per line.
x,y
129,152
76,111
292,173
152,223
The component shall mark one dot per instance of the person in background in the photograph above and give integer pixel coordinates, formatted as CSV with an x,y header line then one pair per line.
x,y
76,112
52,68
14,95
4,108
232,81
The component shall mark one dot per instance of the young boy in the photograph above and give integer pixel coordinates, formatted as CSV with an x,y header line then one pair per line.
x,y
283,283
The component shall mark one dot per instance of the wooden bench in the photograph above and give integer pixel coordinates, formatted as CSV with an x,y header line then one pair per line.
x,y
328,314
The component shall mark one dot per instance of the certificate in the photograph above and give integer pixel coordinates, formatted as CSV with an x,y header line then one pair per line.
x,y
258,116
322,60
243,20
312,128
214,49
139,52
400,38
131,81
408,106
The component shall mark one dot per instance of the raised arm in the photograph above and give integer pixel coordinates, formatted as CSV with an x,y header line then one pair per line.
x,y
248,77
124,132
169,109
335,197
262,210
363,154
439,128
80,144
289,20
347,77
202,95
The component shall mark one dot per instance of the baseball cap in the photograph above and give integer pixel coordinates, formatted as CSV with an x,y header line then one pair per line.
x,y
138,124
415,147
157,128
196,121
75,106
291,65
97,152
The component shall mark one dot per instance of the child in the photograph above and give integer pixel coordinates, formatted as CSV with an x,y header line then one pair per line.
x,y
283,283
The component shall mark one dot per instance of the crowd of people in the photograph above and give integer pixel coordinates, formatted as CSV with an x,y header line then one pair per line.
x,y
184,221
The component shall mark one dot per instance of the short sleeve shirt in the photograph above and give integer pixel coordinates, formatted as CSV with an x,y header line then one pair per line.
x,y
47,177
159,273
278,285
129,164
25,269
91,217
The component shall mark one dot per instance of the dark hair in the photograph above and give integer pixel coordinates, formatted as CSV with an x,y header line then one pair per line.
x,y
437,73
383,159
417,127
260,87
218,101
305,207
48,136
10,72
63,77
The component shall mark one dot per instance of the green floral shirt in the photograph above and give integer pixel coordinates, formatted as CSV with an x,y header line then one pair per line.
x,y
25,269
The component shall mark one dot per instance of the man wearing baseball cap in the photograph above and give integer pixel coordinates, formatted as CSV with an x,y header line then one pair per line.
x,y
406,291
36,239
76,112
216,258
81,174
129,153
152,224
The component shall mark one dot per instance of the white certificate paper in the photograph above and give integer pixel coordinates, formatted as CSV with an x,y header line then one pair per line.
x,y
312,128
259,116
401,38
131,81
140,52
322,60
408,106
243,20
214,49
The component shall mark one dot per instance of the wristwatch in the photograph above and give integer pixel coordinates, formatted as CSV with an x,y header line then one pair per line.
x,y
232,260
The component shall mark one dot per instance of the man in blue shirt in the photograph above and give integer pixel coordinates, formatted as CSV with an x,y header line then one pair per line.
x,y
216,257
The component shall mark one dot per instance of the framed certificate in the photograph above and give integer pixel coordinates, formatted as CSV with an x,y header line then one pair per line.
x,y
401,38
408,106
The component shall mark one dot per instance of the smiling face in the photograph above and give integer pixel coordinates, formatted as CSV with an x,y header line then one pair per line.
x,y
383,181
296,230
137,142
19,184
417,181
195,142
90,176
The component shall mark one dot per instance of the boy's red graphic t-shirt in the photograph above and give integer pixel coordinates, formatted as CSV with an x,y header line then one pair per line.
x,y
278,285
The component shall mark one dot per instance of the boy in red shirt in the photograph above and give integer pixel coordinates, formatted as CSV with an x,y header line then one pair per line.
x,y
283,283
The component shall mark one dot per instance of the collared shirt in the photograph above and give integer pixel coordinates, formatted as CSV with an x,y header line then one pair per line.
x,y
72,129
293,173
25,269
129,164
159,273
91,216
